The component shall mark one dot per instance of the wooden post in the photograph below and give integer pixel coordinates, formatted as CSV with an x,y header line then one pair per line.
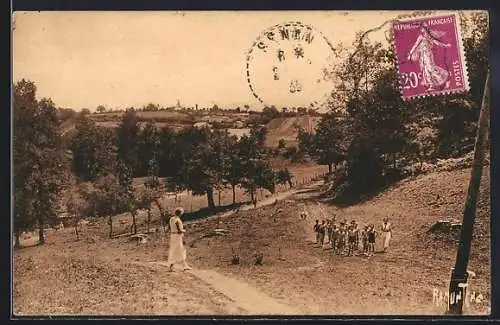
x,y
459,274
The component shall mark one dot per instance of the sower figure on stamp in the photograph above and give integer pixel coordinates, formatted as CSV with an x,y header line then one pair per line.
x,y
433,76
176,249
387,233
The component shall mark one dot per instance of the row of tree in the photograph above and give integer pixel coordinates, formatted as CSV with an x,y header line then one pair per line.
x,y
199,160
90,171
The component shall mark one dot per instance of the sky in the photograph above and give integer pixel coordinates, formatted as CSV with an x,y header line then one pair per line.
x,y
124,59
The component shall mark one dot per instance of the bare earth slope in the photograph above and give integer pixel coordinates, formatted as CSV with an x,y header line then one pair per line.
x,y
100,276
286,128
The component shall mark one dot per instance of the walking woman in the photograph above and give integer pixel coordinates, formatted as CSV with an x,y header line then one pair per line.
x,y
387,233
176,250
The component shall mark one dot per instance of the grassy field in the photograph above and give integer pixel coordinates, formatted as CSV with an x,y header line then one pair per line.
x,y
97,275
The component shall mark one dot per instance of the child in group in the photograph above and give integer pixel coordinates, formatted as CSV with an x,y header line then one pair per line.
x,y
371,239
364,239
322,229
316,230
352,238
341,239
334,238
329,229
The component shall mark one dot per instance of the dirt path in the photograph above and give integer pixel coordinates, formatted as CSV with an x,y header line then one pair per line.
x,y
245,297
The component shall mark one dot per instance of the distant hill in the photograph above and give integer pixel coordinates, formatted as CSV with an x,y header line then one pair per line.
x,y
287,128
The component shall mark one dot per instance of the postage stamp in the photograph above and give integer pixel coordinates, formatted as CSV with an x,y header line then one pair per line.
x,y
286,65
430,56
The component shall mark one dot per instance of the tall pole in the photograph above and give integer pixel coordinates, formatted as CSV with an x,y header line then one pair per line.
x,y
459,275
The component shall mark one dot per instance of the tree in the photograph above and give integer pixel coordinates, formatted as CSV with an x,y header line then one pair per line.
x,y
24,214
283,177
422,142
109,199
154,188
306,142
151,107
234,171
374,130
25,108
100,109
148,148
142,199
127,193
364,168
327,142
221,144
85,111
65,114
77,204
92,149
385,117
258,135
270,113
127,137
293,154
196,163
281,144
169,158
40,167
83,147
256,171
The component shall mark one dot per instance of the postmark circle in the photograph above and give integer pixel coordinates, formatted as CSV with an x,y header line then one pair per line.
x,y
286,66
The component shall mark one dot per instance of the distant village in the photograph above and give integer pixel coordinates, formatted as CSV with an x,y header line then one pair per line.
x,y
246,109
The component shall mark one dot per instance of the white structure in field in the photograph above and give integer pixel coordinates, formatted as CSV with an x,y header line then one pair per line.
x,y
201,125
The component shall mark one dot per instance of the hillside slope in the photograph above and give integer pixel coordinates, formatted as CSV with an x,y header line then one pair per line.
x,y
100,276
287,128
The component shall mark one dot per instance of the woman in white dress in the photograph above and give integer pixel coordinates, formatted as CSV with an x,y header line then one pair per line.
x,y
176,249
387,233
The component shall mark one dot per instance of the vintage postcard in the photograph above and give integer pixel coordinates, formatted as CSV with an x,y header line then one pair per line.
x,y
251,163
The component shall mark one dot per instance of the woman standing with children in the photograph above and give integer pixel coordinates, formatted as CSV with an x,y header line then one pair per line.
x,y
387,233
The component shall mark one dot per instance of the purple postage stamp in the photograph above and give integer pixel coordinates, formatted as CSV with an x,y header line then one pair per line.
x,y
430,56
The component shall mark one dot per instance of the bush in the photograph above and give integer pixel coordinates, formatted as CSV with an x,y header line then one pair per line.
x,y
362,176
393,175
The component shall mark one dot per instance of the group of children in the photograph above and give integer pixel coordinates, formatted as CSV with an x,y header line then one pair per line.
x,y
344,238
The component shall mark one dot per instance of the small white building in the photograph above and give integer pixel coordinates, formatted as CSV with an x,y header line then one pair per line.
x,y
200,125
239,124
